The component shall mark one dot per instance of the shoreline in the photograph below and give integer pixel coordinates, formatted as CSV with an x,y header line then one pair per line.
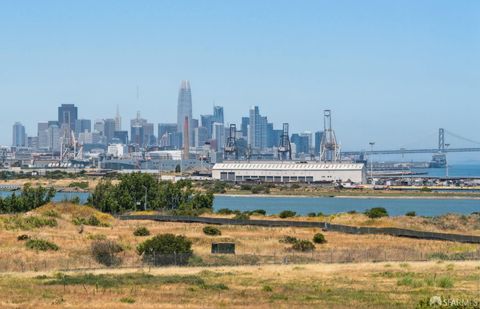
x,y
406,197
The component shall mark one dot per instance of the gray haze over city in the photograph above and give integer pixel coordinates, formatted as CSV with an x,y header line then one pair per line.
x,y
392,80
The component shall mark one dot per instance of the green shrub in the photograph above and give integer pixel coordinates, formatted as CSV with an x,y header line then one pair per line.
x,y
166,249
91,220
267,288
287,214
29,222
411,214
376,212
245,187
311,214
303,246
23,237
257,189
79,184
51,213
426,189
408,280
106,252
242,216
211,231
258,212
226,211
127,300
141,231
97,237
41,245
319,238
288,240
445,282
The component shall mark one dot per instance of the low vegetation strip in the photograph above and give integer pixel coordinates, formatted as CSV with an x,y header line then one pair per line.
x,y
324,225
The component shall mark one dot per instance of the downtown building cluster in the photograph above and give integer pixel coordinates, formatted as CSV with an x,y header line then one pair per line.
x,y
204,137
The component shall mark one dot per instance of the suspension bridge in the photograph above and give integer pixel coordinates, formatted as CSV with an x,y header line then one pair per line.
x,y
443,147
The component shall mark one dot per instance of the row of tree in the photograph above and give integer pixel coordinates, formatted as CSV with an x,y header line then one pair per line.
x,y
139,191
29,198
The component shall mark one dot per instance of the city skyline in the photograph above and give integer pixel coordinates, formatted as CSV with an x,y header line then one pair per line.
x,y
401,73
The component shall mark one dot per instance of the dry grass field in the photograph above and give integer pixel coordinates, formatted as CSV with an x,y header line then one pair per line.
x,y
70,277
370,285
255,245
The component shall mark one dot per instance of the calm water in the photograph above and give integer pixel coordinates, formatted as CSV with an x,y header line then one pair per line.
x,y
273,205
59,196
455,170
304,205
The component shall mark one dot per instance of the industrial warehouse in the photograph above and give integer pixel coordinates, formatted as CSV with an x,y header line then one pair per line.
x,y
271,171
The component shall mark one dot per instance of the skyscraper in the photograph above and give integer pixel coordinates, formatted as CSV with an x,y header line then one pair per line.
x,y
257,129
83,125
218,114
109,129
42,134
218,134
19,138
118,120
184,108
318,141
67,116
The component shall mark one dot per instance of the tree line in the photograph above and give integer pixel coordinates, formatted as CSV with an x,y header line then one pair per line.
x,y
29,198
139,191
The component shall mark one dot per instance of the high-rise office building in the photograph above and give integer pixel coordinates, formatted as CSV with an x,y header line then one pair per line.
x,y
184,108
244,127
301,143
19,137
118,120
53,137
218,135
149,134
99,126
318,141
218,114
200,136
121,136
42,134
257,129
83,125
165,131
67,116
109,126
206,121
309,137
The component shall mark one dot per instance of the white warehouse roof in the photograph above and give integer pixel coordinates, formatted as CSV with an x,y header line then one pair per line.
x,y
275,165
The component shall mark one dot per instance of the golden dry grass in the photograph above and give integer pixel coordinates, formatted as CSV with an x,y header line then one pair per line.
x,y
369,285
250,240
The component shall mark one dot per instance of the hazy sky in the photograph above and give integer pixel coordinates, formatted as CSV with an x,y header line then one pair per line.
x,y
391,71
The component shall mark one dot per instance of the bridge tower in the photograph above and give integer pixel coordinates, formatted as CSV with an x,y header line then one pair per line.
x,y
441,140
285,147
329,148
231,145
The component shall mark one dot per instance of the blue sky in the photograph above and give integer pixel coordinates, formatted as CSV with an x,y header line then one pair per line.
x,y
391,71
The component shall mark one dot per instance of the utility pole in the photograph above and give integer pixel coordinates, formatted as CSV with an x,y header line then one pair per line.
x,y
446,161
146,194
371,161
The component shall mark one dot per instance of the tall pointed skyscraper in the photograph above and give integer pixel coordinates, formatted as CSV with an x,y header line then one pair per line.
x,y
184,109
118,120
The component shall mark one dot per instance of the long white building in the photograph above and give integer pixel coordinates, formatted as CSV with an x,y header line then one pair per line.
x,y
274,171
